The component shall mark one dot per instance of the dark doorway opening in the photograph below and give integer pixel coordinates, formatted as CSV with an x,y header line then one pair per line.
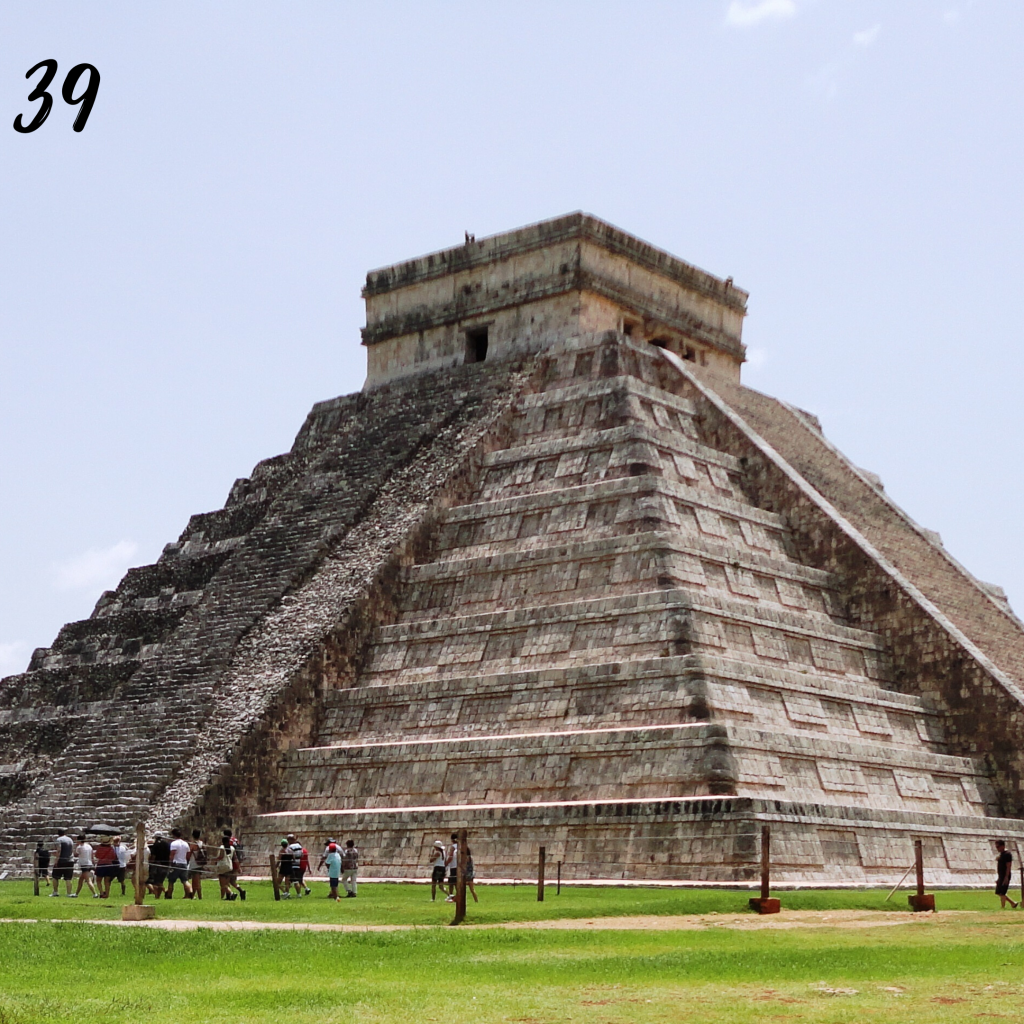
x,y
476,345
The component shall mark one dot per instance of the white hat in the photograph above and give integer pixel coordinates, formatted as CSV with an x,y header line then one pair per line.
x,y
437,842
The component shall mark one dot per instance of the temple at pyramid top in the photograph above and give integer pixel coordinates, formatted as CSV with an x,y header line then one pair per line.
x,y
521,291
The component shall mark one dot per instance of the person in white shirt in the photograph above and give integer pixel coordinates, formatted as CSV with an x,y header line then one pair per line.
x,y
180,853
437,859
123,856
86,867
452,864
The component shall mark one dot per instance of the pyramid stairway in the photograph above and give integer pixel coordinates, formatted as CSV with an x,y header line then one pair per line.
x,y
612,650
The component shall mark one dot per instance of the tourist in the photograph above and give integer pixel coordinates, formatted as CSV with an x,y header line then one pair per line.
x,y
470,874
323,856
106,866
332,859
452,864
300,862
437,858
1004,875
227,870
64,863
123,855
159,864
41,860
86,867
284,870
180,853
197,860
349,868
143,873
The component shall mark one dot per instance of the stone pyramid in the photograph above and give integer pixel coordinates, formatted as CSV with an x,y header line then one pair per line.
x,y
557,577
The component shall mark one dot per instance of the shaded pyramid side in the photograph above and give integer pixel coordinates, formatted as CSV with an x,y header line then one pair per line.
x,y
169,700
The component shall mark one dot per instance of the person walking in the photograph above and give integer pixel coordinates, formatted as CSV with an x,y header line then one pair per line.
x,y
332,859
299,854
284,869
159,864
86,867
452,864
323,856
470,873
123,855
41,861
1004,875
180,853
64,863
437,859
106,866
349,869
227,866
197,860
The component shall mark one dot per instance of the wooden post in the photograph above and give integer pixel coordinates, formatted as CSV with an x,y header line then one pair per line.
x,y
460,879
920,900
765,904
1020,864
558,890
540,874
275,878
140,857
35,873
137,911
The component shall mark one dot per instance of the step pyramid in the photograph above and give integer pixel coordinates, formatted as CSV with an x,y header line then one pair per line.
x,y
556,577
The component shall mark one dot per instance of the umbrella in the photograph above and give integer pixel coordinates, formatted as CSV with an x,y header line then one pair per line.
x,y
104,830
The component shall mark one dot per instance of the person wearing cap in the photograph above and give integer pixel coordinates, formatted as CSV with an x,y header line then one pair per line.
x,y
437,859
332,858
323,856
300,862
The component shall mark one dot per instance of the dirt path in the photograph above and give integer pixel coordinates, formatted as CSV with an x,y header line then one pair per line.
x,y
688,922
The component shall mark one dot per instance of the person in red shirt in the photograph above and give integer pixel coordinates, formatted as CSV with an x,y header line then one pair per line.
x,y
106,866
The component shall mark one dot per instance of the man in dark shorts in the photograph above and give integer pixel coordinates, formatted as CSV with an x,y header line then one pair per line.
x,y
436,858
159,864
1004,875
64,863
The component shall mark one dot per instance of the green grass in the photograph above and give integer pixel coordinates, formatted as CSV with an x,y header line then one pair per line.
x,y
410,904
943,969
951,970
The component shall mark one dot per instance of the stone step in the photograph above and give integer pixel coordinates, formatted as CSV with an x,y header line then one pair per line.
x,y
606,509
708,839
593,456
638,626
658,691
613,763
616,565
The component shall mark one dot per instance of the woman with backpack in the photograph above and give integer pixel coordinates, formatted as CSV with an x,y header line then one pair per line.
x,y
227,870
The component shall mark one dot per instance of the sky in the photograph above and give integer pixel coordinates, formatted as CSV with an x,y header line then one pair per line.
x,y
179,281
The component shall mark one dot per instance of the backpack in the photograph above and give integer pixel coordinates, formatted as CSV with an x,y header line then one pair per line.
x,y
200,856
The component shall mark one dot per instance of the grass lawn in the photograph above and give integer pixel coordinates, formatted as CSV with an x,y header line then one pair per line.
x,y
410,904
947,968
952,970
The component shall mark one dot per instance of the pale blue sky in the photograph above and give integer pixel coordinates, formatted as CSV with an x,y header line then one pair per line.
x,y
180,281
